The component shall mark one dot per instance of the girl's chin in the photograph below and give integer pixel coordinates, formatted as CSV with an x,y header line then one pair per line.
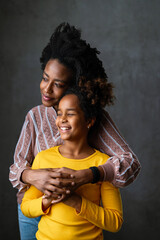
x,y
65,137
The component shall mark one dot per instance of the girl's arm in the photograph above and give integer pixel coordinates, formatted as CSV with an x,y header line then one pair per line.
x,y
109,217
34,203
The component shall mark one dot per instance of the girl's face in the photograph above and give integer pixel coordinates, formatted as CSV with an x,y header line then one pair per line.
x,y
55,81
71,121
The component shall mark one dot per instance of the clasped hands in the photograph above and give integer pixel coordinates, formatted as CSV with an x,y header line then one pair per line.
x,y
59,184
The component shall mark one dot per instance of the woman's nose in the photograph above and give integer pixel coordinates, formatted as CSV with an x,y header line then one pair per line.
x,y
49,88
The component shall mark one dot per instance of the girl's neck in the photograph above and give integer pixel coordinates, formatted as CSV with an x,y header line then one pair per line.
x,y
75,150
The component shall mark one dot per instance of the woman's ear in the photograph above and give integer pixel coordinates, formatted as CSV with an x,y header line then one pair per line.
x,y
91,122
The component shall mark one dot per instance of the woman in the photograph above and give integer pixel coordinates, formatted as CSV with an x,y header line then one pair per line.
x,y
80,216
68,60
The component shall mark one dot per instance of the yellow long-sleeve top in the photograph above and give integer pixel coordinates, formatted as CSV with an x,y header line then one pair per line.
x,y
63,222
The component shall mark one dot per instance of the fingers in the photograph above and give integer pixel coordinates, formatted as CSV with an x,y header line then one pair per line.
x,y
54,189
55,199
59,174
60,183
59,199
65,170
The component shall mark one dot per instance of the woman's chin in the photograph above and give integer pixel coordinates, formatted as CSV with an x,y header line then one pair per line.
x,y
47,104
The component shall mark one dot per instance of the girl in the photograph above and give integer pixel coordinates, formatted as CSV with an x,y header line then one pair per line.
x,y
79,216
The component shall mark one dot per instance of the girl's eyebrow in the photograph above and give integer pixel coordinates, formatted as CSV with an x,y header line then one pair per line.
x,y
71,109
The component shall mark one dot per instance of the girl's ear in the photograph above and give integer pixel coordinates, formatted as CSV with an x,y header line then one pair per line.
x,y
91,122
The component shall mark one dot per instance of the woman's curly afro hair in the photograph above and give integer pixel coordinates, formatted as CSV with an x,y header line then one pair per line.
x,y
68,48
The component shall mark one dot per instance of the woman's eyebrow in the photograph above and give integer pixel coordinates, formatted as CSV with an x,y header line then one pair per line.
x,y
57,80
45,73
68,109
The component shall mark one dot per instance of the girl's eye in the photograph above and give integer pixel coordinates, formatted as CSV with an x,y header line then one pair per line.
x,y
59,114
70,114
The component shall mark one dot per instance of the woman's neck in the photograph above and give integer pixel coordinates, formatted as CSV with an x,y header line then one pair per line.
x,y
76,150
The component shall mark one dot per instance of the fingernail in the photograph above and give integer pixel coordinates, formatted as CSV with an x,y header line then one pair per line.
x,y
72,183
67,191
72,176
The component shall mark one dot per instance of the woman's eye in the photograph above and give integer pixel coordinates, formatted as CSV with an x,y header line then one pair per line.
x,y
45,79
59,85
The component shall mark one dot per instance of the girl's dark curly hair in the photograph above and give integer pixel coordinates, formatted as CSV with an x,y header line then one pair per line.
x,y
67,46
89,109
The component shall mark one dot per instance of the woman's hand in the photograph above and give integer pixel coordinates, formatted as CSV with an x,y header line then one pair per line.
x,y
50,181
79,177
57,181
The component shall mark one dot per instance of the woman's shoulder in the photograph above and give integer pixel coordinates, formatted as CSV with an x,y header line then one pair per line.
x,y
40,111
41,108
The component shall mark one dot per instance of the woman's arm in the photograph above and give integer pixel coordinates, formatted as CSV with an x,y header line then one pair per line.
x,y
23,155
123,166
109,217
21,175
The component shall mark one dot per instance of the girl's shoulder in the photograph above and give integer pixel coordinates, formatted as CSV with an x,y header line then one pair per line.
x,y
101,156
53,151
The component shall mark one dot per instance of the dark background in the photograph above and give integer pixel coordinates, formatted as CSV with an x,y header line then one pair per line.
x,y
127,32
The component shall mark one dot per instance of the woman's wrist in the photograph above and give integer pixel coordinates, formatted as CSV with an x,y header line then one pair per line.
x,y
85,176
101,171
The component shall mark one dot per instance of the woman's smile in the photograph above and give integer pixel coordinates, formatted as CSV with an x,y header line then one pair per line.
x,y
47,98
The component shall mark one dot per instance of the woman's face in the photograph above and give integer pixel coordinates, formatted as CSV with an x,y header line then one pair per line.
x,y
55,81
71,121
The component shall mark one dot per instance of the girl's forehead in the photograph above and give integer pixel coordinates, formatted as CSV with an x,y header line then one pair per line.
x,y
69,101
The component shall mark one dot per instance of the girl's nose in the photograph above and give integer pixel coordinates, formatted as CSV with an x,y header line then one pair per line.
x,y
63,119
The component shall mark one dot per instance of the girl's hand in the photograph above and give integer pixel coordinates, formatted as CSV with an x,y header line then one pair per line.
x,y
74,201
48,201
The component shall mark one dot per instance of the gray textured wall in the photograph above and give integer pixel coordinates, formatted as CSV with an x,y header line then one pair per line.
x,y
128,36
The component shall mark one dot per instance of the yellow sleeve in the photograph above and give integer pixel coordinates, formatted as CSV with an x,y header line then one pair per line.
x,y
31,205
109,216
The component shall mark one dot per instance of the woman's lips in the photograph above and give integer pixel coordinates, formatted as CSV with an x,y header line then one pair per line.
x,y
46,98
